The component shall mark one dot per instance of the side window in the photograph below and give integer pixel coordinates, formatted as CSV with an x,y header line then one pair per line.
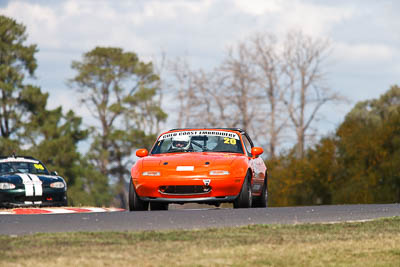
x,y
247,145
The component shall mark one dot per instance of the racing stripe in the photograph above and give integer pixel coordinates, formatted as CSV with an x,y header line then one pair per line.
x,y
27,183
37,184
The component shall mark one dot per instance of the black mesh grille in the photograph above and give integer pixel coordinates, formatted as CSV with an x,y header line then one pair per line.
x,y
184,189
46,197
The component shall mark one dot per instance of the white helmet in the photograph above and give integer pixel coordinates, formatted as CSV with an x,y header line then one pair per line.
x,y
181,142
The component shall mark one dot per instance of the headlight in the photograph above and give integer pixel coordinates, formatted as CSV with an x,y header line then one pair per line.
x,y
6,186
219,172
151,173
57,185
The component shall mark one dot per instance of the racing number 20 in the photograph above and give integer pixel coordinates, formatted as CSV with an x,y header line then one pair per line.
x,y
228,140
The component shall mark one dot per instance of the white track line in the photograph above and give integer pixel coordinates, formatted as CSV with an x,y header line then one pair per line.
x,y
65,210
5,212
58,211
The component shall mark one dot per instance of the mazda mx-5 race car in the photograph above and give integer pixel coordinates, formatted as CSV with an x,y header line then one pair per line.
x,y
200,166
25,181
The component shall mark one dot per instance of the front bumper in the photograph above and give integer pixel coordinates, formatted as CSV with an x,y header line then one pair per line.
x,y
210,200
17,198
220,189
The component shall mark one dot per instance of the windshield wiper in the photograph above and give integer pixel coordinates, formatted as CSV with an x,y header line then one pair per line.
x,y
177,151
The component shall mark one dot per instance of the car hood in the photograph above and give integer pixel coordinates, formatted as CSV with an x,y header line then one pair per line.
x,y
196,159
16,178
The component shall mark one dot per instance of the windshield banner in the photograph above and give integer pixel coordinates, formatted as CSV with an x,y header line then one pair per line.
x,y
201,132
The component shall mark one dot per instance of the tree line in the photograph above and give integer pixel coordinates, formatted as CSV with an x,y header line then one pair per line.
x,y
358,163
120,91
274,88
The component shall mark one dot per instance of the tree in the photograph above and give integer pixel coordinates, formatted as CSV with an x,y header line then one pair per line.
x,y
304,77
120,91
270,78
199,97
27,127
306,181
369,151
16,61
227,96
360,163
241,90
53,137
259,87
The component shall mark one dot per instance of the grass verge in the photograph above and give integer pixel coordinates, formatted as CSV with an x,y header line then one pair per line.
x,y
375,243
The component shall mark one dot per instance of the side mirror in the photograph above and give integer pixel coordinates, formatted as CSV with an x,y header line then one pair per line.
x,y
256,151
142,153
54,173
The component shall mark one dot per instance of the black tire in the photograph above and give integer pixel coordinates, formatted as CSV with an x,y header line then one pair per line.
x,y
65,203
262,200
135,203
244,200
158,206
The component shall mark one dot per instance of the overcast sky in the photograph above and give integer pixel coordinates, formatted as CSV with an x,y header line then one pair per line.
x,y
365,37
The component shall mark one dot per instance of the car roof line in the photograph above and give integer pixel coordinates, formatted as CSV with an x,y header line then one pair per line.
x,y
17,156
219,128
240,130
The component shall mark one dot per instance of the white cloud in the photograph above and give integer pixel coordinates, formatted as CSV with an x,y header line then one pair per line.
x,y
147,26
313,19
72,8
38,19
363,53
260,7
81,25
173,9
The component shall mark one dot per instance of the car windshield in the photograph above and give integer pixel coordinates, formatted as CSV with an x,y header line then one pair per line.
x,y
22,167
198,141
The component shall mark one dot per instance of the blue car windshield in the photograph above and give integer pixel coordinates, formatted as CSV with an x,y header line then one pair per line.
x,y
198,141
23,167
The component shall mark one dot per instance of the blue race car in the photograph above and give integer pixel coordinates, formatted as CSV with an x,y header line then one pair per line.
x,y
25,181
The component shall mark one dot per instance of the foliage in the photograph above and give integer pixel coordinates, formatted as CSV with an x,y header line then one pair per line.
x,y
29,128
359,164
369,151
16,61
52,137
122,94
55,142
304,181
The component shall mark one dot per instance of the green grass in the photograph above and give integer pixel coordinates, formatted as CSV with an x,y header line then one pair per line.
x,y
375,243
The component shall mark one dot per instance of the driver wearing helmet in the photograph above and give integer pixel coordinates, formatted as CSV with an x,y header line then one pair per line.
x,y
181,142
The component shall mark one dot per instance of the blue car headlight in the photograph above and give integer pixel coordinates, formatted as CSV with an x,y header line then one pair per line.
x,y
6,186
57,185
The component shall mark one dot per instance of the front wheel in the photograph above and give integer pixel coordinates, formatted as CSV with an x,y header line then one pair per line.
x,y
135,203
244,200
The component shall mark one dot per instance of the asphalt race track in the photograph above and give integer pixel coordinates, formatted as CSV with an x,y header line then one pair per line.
x,y
190,219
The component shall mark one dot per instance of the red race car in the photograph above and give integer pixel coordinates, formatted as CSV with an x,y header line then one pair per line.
x,y
209,166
